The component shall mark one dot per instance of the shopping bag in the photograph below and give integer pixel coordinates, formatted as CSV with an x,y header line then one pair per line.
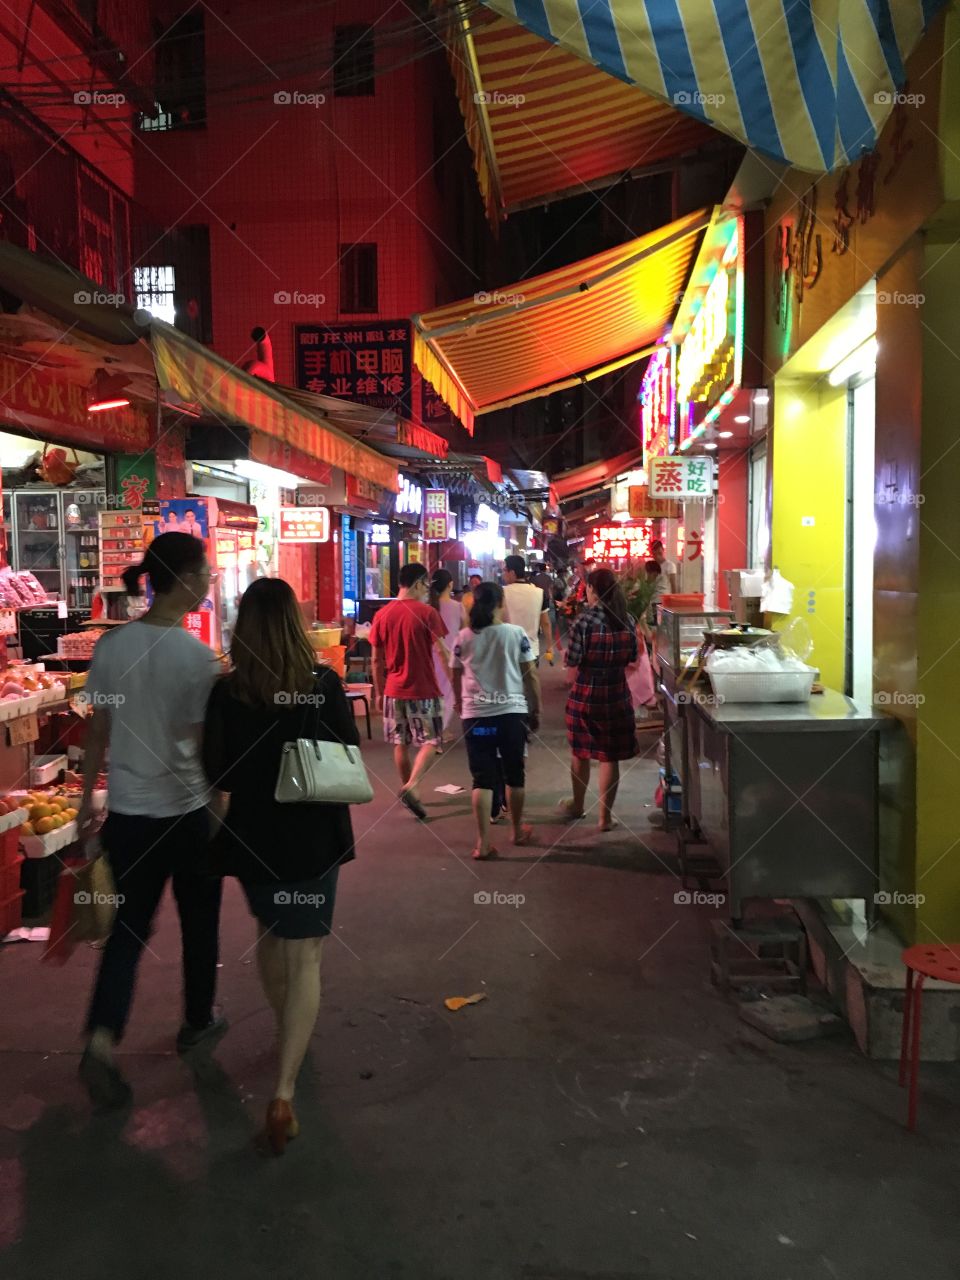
x,y
84,908
640,678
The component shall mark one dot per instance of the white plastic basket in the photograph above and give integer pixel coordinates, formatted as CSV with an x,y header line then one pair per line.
x,y
762,686
52,842
45,768
16,818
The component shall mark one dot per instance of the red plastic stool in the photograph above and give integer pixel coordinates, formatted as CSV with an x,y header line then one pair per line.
x,y
942,963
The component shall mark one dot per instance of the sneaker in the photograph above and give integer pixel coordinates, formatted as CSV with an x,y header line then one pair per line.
x,y
103,1082
189,1037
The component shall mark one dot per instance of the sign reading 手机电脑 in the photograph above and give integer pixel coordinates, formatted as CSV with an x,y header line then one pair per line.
x,y
658,406
681,477
708,356
369,363
436,510
622,541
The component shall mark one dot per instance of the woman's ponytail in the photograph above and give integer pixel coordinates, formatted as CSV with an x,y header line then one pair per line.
x,y
131,578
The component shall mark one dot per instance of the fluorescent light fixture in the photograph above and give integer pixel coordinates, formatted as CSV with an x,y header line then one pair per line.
x,y
265,475
761,397
742,417
620,516
711,444
724,435
862,360
99,406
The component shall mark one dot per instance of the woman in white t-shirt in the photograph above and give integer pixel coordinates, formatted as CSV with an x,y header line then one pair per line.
x,y
498,696
451,612
148,686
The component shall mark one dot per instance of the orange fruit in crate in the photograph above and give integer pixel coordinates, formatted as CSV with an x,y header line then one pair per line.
x,y
39,811
26,829
56,821
43,826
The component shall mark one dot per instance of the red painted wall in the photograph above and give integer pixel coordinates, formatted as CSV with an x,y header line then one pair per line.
x,y
281,186
732,547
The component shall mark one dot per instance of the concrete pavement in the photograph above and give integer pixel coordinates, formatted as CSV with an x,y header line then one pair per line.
x,y
603,1115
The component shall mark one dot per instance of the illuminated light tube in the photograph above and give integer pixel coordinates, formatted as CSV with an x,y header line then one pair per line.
x,y
858,361
99,406
761,397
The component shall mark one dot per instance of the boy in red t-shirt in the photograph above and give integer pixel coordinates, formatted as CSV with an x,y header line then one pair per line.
x,y
403,637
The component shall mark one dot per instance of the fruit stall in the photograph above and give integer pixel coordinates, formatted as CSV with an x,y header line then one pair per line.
x,y
41,732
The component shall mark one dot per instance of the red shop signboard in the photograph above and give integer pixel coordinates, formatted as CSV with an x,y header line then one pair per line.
x,y
49,405
629,540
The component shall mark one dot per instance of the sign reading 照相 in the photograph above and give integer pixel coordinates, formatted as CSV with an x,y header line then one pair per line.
x,y
680,477
436,509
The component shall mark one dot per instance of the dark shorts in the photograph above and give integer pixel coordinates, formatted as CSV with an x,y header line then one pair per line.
x,y
486,736
295,908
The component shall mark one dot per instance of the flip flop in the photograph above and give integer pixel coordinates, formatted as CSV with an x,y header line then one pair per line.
x,y
413,804
482,857
525,837
613,823
567,807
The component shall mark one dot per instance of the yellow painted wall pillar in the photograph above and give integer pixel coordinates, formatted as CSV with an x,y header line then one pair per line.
x,y
809,510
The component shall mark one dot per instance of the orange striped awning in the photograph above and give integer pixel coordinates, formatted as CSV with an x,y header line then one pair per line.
x,y
555,330
543,123
198,376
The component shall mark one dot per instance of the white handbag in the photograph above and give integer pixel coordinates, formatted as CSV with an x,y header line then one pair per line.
x,y
315,772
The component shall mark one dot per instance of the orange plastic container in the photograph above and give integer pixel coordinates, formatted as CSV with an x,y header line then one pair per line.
x,y
678,601
335,656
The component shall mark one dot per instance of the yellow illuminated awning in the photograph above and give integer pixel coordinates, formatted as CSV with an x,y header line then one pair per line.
x,y
555,330
543,123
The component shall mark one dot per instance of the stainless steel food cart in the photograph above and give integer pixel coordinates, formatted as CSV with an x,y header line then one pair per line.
x,y
786,795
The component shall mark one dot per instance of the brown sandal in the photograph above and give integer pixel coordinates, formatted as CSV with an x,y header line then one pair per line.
x,y
525,836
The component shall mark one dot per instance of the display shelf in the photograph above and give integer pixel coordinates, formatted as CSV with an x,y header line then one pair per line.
x,y
22,707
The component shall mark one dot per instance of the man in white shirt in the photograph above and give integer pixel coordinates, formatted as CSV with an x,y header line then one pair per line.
x,y
667,581
526,606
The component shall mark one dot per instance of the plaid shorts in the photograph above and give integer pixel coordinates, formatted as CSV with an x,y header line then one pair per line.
x,y
412,720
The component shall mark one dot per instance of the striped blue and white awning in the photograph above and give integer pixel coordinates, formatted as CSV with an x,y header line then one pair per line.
x,y
808,82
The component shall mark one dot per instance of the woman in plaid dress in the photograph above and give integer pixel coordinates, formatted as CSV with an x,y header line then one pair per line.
x,y
600,719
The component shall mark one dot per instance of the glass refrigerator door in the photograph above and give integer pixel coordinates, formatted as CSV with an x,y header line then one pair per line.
x,y
6,554
38,539
81,546
228,585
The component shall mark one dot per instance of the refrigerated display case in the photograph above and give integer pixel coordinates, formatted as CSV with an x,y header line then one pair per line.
x,y
53,533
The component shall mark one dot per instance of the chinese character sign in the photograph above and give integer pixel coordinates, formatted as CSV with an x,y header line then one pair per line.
x,y
436,507
681,478
643,507
658,404
625,541
369,363
304,524
708,359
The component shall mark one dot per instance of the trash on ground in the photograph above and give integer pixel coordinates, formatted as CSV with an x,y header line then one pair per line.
x,y
39,934
457,1002
449,789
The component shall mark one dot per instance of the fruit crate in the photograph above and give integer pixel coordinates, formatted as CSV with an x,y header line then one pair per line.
x,y
13,821
19,706
10,914
45,768
52,842
10,877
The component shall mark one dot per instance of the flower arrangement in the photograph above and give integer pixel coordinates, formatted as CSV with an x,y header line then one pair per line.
x,y
638,589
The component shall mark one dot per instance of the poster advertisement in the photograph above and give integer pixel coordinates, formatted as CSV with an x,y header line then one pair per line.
x,y
183,515
369,363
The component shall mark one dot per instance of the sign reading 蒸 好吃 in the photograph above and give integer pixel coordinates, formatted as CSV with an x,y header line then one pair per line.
x,y
680,477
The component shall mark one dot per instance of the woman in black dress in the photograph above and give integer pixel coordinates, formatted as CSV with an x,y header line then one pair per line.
x,y
286,856
600,719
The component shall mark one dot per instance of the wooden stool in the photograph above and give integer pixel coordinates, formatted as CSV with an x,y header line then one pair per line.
x,y
924,961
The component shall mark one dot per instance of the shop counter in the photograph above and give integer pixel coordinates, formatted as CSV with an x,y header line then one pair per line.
x,y
786,795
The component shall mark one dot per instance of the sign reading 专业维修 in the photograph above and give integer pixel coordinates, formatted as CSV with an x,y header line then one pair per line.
x,y
304,524
680,477
369,362
436,507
